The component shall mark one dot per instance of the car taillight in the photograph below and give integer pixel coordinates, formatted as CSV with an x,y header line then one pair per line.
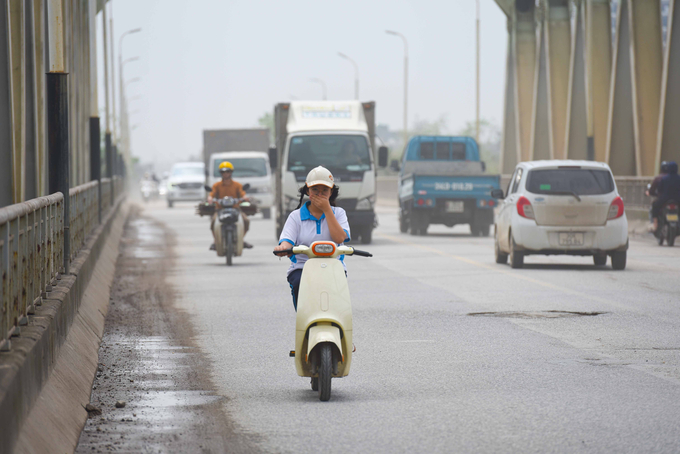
x,y
524,208
672,206
615,209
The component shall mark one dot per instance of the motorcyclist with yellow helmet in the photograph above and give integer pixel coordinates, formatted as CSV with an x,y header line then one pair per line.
x,y
227,187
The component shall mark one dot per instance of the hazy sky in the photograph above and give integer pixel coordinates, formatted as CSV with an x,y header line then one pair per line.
x,y
223,63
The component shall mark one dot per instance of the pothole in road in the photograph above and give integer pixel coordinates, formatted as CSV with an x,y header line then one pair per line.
x,y
535,314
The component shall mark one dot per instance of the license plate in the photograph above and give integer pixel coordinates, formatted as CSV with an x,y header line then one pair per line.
x,y
571,239
672,217
455,206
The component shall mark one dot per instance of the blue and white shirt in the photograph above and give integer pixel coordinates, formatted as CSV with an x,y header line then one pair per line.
x,y
302,228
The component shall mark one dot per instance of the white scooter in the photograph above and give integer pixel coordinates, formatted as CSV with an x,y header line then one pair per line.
x,y
323,327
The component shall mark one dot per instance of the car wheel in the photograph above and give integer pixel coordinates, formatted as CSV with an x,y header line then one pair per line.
x,y
619,260
516,257
600,259
501,257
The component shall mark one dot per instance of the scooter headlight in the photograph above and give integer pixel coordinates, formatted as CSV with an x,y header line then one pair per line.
x,y
323,248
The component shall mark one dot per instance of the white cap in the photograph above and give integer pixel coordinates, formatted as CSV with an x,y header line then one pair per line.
x,y
320,175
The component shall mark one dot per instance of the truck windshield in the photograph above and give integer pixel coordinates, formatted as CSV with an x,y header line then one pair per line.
x,y
341,154
243,167
569,181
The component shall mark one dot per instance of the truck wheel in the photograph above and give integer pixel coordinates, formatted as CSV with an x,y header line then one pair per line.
x,y
403,224
413,228
423,229
619,260
170,203
516,257
367,235
484,230
267,213
474,230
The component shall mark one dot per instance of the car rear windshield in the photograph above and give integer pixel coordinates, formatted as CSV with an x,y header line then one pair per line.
x,y
566,181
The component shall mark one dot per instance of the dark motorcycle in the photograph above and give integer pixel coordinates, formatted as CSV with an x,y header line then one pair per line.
x,y
228,228
669,227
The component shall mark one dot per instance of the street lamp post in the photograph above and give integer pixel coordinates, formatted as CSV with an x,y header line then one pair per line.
x,y
356,74
477,84
121,78
131,81
323,85
390,32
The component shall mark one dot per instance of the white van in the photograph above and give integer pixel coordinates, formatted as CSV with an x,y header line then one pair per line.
x,y
250,167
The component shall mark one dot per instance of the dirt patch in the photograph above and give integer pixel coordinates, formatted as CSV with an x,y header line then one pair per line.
x,y
153,386
535,314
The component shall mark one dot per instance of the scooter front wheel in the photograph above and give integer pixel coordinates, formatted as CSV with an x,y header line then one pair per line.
x,y
230,247
325,371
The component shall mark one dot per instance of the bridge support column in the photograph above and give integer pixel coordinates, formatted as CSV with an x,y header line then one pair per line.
x,y
576,137
541,146
6,167
523,35
646,61
17,51
598,64
621,152
558,53
668,143
510,155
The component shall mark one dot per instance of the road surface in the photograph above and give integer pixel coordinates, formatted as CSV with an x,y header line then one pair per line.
x,y
454,352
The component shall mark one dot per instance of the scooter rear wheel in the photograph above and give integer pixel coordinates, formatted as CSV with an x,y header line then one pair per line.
x,y
325,371
670,235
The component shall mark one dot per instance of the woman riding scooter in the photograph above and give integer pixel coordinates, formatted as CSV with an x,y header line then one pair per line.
x,y
317,220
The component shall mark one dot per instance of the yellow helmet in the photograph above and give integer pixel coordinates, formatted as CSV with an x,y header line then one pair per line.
x,y
226,166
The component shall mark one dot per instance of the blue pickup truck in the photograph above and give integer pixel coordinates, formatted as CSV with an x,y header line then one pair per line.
x,y
443,181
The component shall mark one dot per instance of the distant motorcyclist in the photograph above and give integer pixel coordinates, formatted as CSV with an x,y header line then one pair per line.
x,y
652,191
227,187
668,189
653,188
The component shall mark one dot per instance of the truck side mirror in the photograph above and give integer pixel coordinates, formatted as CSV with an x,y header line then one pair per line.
x,y
273,157
383,154
497,194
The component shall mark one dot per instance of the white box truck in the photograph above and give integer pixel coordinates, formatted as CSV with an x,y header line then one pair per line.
x,y
339,135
